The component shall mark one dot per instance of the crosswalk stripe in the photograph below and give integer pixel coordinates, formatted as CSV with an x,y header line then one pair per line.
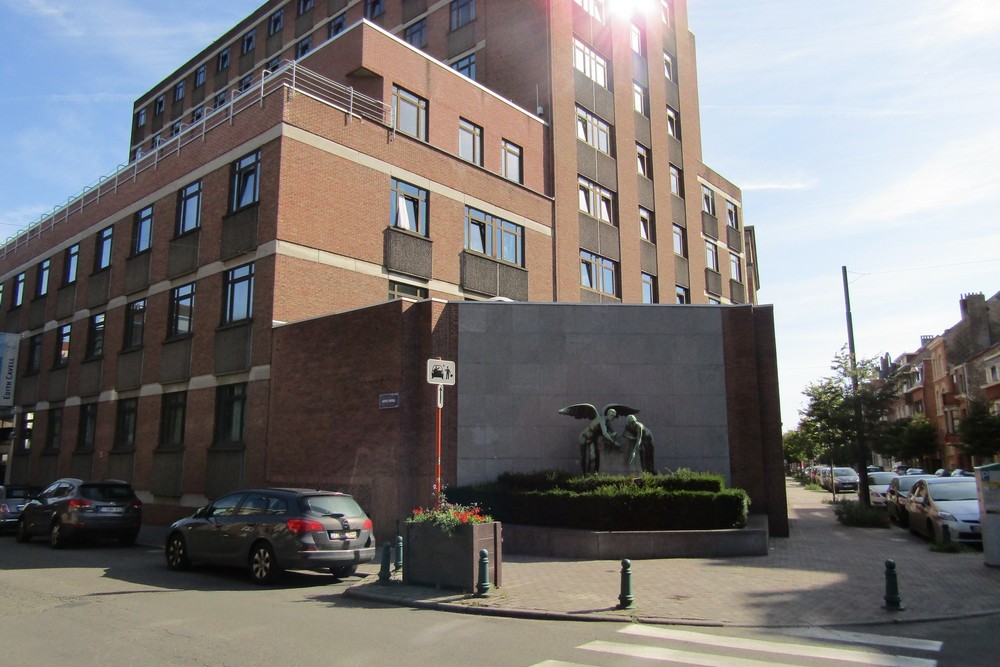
x,y
862,638
559,663
783,648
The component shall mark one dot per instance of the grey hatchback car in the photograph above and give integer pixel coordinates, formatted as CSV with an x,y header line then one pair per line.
x,y
271,530
12,500
72,508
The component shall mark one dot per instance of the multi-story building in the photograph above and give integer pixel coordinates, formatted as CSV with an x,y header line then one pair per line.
x,y
328,155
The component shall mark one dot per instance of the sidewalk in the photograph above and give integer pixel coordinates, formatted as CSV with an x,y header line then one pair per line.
x,y
824,574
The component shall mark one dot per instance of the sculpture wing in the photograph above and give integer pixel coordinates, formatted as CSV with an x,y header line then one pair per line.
x,y
579,411
620,410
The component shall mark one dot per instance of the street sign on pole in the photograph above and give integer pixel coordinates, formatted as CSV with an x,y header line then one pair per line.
x,y
440,371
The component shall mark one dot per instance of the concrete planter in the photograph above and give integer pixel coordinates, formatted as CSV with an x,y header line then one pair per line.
x,y
433,558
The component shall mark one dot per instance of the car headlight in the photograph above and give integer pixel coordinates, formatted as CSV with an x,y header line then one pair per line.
x,y
946,516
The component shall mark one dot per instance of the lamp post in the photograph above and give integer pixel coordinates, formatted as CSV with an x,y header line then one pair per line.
x,y
858,418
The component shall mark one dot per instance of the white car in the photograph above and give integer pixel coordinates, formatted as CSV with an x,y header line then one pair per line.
x,y
945,509
878,486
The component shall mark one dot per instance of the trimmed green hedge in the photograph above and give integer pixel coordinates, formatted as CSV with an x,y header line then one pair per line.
x,y
680,501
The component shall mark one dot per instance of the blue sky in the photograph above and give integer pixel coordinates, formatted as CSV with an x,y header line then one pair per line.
x,y
863,133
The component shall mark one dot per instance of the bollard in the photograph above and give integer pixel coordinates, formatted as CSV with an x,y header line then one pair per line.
x,y
383,574
892,600
626,599
399,554
483,587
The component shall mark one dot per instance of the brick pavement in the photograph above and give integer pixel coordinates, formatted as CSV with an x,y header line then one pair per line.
x,y
823,574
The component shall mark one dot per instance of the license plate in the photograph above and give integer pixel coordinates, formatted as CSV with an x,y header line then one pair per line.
x,y
343,534
113,510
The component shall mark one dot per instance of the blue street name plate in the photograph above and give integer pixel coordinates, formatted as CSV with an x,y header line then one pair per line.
x,y
388,401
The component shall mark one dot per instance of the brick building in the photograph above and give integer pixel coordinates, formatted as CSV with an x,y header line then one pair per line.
x,y
325,156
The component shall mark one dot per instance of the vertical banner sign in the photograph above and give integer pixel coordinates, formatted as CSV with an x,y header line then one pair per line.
x,y
439,372
8,367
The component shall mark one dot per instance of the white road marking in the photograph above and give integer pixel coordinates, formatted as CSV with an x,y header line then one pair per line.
x,y
862,638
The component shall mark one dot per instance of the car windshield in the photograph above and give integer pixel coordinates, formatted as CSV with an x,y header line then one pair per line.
x,y
18,492
847,472
954,491
106,491
332,505
881,477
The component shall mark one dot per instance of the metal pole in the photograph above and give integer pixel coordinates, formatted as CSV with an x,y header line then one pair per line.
x,y
437,471
858,420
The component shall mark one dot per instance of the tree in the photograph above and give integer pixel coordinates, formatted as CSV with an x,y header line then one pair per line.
x,y
799,447
979,430
908,439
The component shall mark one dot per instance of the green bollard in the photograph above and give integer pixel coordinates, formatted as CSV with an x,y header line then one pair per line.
x,y
399,554
484,585
892,600
626,599
384,577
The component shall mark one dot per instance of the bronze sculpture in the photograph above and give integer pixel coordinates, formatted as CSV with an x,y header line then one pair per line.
x,y
598,433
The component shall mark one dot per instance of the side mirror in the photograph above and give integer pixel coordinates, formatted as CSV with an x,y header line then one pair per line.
x,y
201,512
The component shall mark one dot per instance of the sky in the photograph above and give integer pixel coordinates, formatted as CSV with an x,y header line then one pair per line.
x,y
863,133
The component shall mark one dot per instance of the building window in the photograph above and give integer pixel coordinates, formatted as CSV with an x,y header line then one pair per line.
x,y
596,201
411,113
416,34
598,273
637,40
408,209
640,99
246,181
592,65
238,294
189,208
42,278
303,47
179,91
273,64
155,141
222,62
466,66
200,75
140,118
305,6
338,24
53,436
400,290
735,269
71,262
512,169
374,8
176,128
276,22
34,362
102,252
197,114
172,416
86,435
673,126
493,236
230,413
593,7
95,336
142,230
680,241
712,256
158,106
462,12
708,200
732,215
128,409
676,181
219,100
470,142
18,297
244,84
665,11
682,294
649,294
646,231
592,130
668,66
643,161
135,322
62,345
181,312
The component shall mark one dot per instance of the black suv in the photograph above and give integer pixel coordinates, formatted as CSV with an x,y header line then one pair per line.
x,y
71,508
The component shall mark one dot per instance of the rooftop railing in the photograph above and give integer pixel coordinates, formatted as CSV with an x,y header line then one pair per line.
x,y
289,77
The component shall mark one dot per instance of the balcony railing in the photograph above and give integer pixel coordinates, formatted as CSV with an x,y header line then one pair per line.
x,y
290,78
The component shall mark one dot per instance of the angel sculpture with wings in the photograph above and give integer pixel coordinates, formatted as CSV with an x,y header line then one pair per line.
x,y
598,433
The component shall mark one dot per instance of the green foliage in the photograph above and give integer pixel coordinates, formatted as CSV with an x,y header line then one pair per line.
x,y
980,430
853,513
448,516
685,500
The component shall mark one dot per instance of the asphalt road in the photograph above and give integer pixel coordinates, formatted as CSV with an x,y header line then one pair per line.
x,y
106,605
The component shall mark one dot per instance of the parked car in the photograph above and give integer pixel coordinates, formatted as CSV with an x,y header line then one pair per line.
x,y
895,496
271,530
878,486
958,472
12,500
945,509
842,480
71,508
915,471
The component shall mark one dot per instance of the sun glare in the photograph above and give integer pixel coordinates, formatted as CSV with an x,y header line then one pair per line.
x,y
627,7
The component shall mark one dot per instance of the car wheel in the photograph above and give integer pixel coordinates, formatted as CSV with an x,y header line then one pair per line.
x,y
22,532
176,552
57,537
341,571
903,518
128,539
263,564
944,537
